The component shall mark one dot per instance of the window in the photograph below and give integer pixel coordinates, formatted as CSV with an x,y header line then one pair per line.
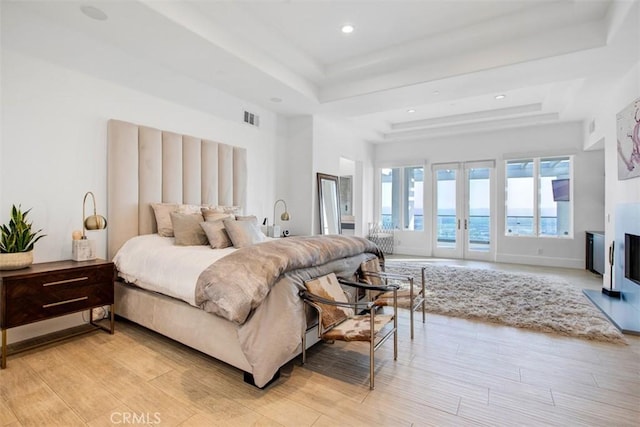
x,y
401,194
538,197
520,198
555,197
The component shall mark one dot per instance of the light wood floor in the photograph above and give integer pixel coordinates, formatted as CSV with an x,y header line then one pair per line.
x,y
456,372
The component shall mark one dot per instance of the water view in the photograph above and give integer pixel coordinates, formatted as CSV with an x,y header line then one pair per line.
x,y
480,226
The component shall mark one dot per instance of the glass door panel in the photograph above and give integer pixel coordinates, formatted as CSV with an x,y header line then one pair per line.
x,y
447,221
463,222
478,218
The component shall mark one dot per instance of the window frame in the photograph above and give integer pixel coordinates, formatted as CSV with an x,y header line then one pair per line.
x,y
537,195
402,192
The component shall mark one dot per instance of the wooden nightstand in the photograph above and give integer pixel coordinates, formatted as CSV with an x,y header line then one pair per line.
x,y
53,289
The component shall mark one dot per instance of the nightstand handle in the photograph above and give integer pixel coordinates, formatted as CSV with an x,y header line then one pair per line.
x,y
53,304
62,282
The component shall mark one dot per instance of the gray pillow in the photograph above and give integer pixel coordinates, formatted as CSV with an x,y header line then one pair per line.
x,y
243,233
217,235
187,230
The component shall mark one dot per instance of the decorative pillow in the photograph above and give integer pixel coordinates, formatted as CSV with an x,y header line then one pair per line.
x,y
187,230
328,287
216,234
162,212
213,214
243,233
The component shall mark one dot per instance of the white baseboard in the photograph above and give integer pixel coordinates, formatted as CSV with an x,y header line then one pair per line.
x,y
506,258
541,260
409,250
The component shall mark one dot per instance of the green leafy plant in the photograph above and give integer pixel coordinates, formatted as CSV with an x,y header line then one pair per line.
x,y
17,236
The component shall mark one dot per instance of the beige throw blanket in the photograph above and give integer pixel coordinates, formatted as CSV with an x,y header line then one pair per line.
x,y
236,284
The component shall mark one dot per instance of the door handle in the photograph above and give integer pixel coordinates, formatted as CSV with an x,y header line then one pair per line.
x,y
458,223
465,224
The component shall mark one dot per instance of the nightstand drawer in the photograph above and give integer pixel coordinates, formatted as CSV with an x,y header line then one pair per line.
x,y
59,281
20,311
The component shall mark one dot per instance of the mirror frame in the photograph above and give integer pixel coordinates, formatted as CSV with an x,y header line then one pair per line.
x,y
321,177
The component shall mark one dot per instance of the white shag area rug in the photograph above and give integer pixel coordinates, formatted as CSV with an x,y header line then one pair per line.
x,y
523,300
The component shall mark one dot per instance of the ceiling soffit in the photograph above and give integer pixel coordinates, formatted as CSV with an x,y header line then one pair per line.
x,y
401,54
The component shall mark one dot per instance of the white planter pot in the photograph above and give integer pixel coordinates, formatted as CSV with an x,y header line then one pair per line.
x,y
16,261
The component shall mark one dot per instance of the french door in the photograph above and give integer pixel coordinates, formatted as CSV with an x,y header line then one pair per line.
x,y
464,223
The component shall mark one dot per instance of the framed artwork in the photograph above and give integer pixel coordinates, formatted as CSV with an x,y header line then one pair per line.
x,y
628,125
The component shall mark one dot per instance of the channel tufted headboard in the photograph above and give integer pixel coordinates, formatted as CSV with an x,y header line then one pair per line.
x,y
147,165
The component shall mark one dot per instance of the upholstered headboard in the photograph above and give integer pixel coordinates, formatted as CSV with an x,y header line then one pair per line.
x,y
147,165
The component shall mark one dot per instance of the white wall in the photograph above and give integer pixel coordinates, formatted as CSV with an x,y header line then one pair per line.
x,y
312,144
54,127
295,177
625,191
332,140
556,139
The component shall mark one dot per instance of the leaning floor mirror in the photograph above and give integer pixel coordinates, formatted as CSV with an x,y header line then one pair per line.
x,y
329,204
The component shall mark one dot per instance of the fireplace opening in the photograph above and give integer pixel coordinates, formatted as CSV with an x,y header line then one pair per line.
x,y
632,257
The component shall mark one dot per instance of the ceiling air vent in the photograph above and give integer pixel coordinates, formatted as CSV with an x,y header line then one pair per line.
x,y
252,119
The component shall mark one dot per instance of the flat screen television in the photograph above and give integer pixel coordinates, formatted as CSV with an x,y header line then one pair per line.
x,y
632,257
560,189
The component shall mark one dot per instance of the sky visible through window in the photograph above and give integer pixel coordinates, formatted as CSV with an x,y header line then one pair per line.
x,y
524,207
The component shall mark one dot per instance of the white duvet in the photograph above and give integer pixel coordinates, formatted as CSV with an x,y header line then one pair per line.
x,y
155,263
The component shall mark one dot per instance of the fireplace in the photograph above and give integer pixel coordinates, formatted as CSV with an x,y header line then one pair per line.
x,y
632,257
624,311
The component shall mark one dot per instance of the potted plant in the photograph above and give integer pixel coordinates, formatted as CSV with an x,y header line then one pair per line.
x,y
17,240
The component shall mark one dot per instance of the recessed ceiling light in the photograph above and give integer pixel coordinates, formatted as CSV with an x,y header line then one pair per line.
x,y
501,96
436,92
411,111
275,99
93,13
347,28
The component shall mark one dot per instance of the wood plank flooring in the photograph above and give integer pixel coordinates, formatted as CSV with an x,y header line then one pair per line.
x,y
455,372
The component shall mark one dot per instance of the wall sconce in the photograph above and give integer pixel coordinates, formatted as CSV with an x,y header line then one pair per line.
x,y
274,230
82,248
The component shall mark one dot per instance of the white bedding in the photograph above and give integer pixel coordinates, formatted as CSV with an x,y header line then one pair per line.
x,y
155,263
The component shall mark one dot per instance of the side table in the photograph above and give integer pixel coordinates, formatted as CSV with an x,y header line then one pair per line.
x,y
52,289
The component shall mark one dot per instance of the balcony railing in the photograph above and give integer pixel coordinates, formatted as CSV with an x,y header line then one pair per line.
x,y
480,226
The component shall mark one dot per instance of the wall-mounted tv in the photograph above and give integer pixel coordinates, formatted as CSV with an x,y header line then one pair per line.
x,y
561,190
632,257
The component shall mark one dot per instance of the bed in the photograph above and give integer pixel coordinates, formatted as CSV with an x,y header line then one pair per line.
x,y
147,166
